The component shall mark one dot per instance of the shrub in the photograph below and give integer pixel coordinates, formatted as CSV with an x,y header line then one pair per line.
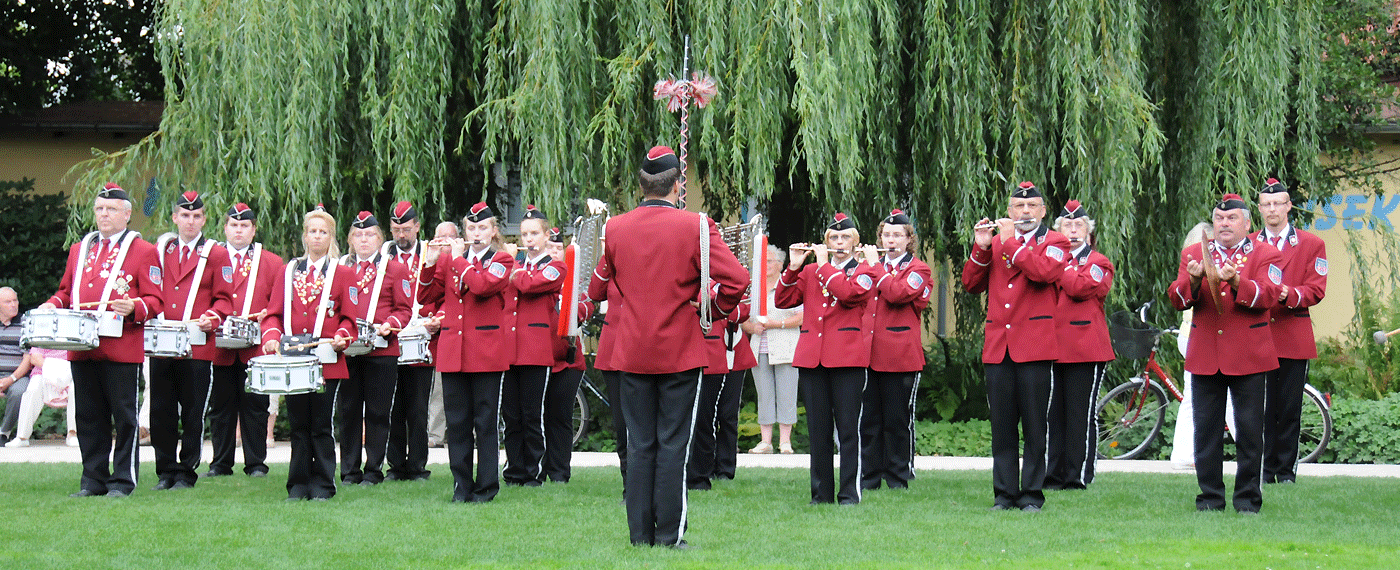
x,y
971,438
1365,431
32,230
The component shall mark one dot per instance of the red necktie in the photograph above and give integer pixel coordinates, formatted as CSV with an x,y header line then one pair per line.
x,y
238,261
1277,242
364,267
101,254
184,254
406,258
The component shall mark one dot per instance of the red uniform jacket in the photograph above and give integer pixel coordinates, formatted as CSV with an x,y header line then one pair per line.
x,y
306,299
568,350
1021,294
1083,326
138,278
1305,273
415,272
1238,341
531,299
715,344
602,360
474,327
652,257
215,287
395,303
269,265
900,297
836,329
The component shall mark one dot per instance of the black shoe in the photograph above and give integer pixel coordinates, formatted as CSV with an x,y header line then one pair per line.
x,y
367,483
1031,509
213,473
682,545
86,493
182,485
258,474
1000,507
533,483
163,485
1247,511
118,494
392,476
1205,509
318,499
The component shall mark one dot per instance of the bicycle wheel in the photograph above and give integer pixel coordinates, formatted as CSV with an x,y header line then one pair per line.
x,y
1130,417
1315,427
581,416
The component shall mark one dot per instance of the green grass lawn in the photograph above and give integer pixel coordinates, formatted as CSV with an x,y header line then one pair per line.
x,y
761,520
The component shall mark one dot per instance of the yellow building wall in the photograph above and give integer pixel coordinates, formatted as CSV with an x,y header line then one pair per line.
x,y
46,157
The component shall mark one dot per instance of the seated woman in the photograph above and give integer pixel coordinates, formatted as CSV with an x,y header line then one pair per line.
x,y
51,383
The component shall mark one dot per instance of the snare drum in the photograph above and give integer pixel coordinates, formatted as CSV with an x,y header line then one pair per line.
x,y
168,339
413,346
366,341
280,374
59,329
237,332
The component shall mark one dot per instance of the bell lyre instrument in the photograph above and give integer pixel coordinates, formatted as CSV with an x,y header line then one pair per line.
x,y
750,245
580,257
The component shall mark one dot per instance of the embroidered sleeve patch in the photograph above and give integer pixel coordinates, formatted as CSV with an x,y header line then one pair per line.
x,y
914,280
1096,272
864,281
1320,266
154,272
1275,274
228,275
497,270
407,287
926,292
550,273
1055,253
355,295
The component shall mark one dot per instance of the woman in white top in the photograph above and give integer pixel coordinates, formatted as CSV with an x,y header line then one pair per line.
x,y
51,384
774,340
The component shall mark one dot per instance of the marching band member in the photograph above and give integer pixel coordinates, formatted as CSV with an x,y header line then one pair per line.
x,y
379,294
408,420
600,290
195,287
714,448
311,297
1018,270
896,358
474,350
530,299
437,420
833,351
1085,351
1242,279
653,258
252,270
566,375
1304,285
116,267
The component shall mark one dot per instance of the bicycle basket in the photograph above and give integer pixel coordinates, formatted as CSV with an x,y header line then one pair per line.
x,y
1131,337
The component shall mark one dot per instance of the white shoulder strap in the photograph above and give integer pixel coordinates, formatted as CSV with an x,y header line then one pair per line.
x,y
705,318
125,247
252,285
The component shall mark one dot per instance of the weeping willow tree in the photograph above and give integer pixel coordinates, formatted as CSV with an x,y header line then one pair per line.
x,y
1145,110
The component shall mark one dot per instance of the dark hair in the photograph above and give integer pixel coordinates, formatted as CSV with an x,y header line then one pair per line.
x,y
658,185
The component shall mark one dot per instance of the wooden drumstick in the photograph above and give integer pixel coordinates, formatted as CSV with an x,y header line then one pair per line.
x,y
1381,336
1212,274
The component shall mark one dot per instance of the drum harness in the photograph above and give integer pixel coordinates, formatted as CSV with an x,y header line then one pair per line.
x,y
198,270
87,242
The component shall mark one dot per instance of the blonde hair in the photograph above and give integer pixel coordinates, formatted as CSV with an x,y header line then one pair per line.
x,y
334,250
908,229
854,232
1195,235
497,241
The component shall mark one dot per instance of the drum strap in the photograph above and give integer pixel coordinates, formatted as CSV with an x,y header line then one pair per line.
x,y
383,266
325,297
198,270
705,319
252,285
87,242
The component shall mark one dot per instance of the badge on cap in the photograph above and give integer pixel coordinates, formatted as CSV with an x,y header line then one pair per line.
x,y
189,200
364,220
403,213
897,217
1026,189
840,223
480,212
241,211
111,191
532,213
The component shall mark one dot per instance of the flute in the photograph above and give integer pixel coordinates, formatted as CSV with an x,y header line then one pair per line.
x,y
989,225
812,248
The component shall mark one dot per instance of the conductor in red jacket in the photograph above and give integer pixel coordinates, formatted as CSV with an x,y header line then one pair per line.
x,y
896,358
1085,352
1304,264
1018,268
112,265
833,349
653,257
1231,282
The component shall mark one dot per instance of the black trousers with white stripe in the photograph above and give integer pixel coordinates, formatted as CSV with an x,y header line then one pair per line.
x,y
232,408
105,396
364,402
613,379
715,447
408,424
559,424
660,411
1283,412
1074,427
471,402
522,410
887,430
1018,396
311,473
179,396
834,398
